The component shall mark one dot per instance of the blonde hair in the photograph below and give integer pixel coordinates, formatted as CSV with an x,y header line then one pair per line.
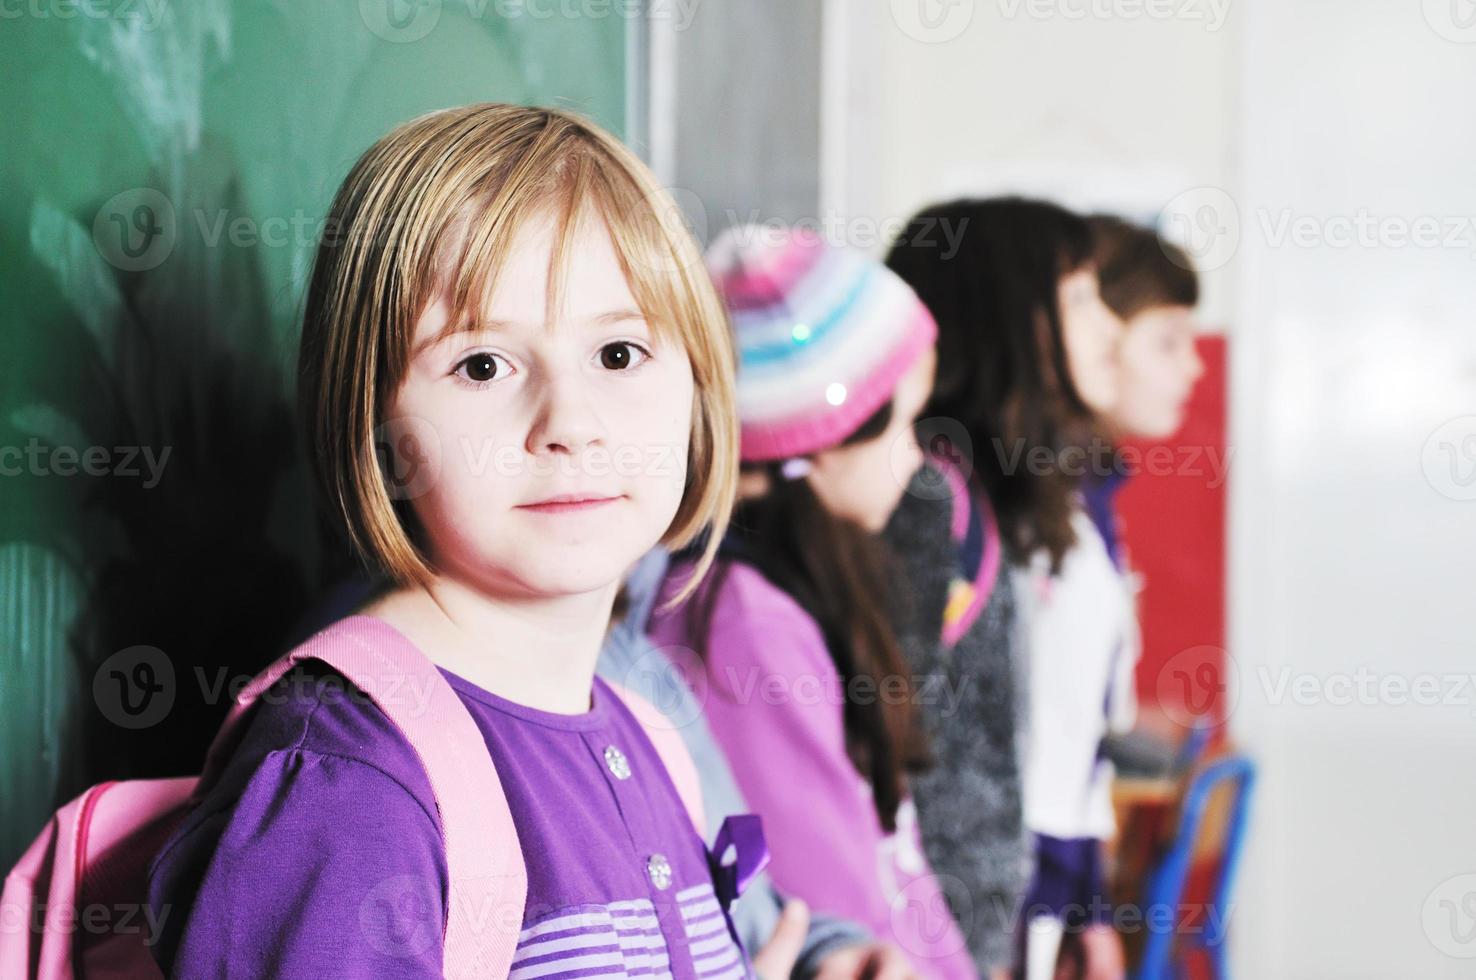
x,y
435,205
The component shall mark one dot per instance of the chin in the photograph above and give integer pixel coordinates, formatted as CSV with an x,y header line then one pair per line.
x,y
552,575
1160,429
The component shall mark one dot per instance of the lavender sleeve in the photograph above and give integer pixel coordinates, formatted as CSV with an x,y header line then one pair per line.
x,y
766,701
630,658
274,886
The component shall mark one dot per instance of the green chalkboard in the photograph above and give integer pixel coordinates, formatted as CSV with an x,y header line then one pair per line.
x,y
167,167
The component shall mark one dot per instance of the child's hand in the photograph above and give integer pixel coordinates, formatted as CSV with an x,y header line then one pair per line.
x,y
1101,947
776,960
866,961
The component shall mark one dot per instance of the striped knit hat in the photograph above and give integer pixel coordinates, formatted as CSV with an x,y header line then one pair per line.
x,y
823,337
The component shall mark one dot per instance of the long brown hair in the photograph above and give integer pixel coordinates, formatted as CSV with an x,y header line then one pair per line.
x,y
1002,367
838,573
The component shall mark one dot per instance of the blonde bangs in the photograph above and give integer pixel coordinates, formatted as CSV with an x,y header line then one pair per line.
x,y
433,209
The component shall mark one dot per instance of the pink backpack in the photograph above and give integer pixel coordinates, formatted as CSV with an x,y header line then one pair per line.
x,y
97,849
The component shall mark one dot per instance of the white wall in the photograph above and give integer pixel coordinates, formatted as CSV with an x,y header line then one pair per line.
x,y
1348,549
1105,110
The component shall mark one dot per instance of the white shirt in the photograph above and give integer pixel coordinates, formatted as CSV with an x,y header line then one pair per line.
x,y
1082,636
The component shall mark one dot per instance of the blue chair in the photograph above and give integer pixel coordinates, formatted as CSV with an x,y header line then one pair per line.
x,y
1165,952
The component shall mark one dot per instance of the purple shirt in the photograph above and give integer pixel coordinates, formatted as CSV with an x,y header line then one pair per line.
x,y
319,852
773,698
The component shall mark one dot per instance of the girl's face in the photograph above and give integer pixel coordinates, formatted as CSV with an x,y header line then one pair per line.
x,y
1159,366
559,449
1090,331
864,481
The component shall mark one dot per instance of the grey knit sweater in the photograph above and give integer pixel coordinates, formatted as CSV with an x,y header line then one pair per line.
x,y
968,804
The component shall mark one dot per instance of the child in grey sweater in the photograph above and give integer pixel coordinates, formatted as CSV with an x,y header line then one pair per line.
x,y
957,628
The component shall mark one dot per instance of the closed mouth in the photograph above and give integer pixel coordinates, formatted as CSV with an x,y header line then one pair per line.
x,y
570,502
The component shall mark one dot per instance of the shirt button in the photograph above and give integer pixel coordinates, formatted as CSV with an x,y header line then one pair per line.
x,y
616,762
658,869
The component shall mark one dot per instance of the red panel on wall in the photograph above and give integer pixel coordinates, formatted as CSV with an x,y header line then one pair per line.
x,y
1173,514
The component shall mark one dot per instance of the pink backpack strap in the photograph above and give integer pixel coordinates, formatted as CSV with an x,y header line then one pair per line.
x,y
673,752
487,876
46,876
963,497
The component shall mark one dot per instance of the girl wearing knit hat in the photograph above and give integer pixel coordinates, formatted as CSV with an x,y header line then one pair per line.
x,y
802,677
1028,357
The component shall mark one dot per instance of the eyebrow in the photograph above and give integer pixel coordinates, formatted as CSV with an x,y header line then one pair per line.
x,y
609,318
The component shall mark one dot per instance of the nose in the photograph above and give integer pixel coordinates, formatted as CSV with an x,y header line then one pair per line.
x,y
565,419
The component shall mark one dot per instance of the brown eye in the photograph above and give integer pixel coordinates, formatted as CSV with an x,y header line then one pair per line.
x,y
620,356
481,368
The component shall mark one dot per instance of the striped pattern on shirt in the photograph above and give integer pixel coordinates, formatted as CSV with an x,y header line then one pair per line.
x,y
624,939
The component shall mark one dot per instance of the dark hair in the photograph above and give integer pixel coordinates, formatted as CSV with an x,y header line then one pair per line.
x,y
838,573
1138,269
1002,367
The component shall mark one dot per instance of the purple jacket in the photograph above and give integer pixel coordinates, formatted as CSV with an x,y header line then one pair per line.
x,y
772,696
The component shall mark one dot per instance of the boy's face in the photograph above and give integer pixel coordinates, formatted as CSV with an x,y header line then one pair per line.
x,y
556,452
1090,332
1159,366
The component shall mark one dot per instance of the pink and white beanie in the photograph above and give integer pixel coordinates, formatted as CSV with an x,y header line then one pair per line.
x,y
823,337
